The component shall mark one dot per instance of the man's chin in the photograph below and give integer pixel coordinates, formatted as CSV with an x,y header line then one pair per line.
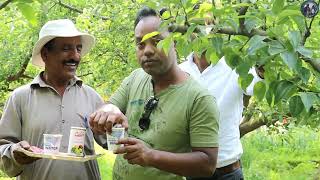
x,y
70,75
149,71
152,72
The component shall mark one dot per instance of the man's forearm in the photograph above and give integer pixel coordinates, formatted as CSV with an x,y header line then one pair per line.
x,y
185,164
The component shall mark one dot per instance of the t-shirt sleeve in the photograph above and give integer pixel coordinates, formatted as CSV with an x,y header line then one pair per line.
x,y
121,96
204,122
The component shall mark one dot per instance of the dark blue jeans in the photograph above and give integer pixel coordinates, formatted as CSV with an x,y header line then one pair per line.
x,y
234,175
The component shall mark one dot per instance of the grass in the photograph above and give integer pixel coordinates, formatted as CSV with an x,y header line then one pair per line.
x,y
289,155
105,163
273,154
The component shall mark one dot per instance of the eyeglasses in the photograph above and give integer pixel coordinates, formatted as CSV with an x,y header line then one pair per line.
x,y
151,104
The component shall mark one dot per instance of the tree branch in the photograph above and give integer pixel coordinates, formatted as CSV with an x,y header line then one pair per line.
x,y
315,63
229,31
26,76
79,11
3,5
185,13
20,74
225,30
249,126
87,74
242,11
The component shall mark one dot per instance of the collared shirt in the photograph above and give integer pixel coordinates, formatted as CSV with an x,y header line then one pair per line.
x,y
36,109
222,83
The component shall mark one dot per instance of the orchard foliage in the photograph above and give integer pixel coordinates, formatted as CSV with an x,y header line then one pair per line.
x,y
271,35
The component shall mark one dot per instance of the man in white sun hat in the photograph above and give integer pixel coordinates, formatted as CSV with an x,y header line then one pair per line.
x,y
52,103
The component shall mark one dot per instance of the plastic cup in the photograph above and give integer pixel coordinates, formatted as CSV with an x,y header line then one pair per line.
x,y
51,143
112,139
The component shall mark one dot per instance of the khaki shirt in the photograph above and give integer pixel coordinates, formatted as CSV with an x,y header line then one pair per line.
x,y
36,109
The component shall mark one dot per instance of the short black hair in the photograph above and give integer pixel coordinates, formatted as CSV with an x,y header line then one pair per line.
x,y
49,45
144,12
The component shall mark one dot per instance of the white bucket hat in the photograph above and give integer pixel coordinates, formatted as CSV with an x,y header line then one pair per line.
x,y
59,28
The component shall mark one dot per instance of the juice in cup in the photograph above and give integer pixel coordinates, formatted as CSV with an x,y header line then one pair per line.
x,y
51,143
76,141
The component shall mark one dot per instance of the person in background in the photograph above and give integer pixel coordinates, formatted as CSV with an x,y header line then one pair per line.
x,y
52,103
222,83
173,121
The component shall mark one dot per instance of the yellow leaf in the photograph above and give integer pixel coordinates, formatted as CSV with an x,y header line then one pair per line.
x,y
150,35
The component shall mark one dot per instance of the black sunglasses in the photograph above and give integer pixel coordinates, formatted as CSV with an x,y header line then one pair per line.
x,y
151,104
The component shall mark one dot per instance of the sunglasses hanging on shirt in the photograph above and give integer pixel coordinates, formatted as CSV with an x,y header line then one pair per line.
x,y
144,121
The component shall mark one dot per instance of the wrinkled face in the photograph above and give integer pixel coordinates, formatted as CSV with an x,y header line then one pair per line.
x,y
62,57
153,60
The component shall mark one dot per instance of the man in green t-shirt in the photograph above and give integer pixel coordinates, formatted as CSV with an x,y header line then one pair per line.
x,y
173,124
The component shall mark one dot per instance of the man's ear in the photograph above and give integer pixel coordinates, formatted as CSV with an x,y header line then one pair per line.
x,y
44,54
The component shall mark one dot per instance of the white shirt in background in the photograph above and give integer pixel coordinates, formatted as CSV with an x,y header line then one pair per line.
x,y
222,83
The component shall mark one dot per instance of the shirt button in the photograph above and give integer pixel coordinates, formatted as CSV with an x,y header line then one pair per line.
x,y
63,121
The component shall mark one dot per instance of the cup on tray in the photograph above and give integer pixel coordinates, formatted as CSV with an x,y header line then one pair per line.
x,y
51,143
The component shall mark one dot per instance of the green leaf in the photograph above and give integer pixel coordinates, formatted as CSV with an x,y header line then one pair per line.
x,y
180,19
255,43
295,39
283,90
190,30
276,31
305,52
150,4
199,45
245,81
308,100
165,44
25,1
304,74
243,69
233,24
275,47
217,43
250,23
299,20
212,55
290,58
150,35
270,93
259,90
277,6
166,15
232,58
28,12
183,47
295,106
288,12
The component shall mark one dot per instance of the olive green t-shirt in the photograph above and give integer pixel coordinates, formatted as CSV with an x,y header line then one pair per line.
x,y
185,117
